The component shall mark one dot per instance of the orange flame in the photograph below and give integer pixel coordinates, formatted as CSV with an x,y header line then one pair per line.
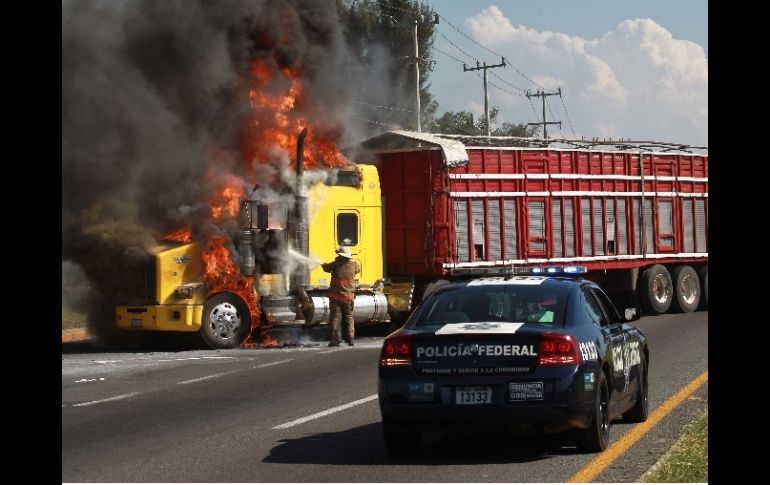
x,y
227,201
221,274
277,121
180,235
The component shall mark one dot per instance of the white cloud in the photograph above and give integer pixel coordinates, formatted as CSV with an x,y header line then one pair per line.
x,y
635,81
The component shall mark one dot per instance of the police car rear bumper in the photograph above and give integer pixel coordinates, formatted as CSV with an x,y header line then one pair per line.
x,y
549,419
565,404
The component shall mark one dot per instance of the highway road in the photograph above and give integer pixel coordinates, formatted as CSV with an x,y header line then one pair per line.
x,y
310,414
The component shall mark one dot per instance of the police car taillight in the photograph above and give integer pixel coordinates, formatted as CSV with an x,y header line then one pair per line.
x,y
558,349
396,351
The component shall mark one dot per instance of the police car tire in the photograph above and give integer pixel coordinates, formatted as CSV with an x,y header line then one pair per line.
x,y
679,304
400,440
641,409
207,332
651,304
703,277
596,437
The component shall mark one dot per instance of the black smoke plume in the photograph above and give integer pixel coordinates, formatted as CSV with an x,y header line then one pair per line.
x,y
155,108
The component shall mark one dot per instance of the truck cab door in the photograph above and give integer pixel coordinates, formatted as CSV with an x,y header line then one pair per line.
x,y
347,233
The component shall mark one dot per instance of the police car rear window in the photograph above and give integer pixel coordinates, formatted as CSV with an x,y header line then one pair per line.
x,y
537,305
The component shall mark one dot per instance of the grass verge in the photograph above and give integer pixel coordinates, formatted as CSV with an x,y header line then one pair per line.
x,y
688,460
72,319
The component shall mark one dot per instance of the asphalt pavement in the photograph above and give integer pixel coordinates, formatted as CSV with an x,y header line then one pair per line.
x,y
309,414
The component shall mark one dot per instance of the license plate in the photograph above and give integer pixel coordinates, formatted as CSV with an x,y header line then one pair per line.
x,y
525,391
473,395
136,322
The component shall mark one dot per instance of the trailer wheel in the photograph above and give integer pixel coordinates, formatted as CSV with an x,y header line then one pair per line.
x,y
226,321
687,289
703,277
655,289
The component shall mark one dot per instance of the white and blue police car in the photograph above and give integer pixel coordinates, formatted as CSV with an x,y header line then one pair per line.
x,y
541,352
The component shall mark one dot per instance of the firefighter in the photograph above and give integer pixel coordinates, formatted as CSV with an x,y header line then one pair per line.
x,y
341,295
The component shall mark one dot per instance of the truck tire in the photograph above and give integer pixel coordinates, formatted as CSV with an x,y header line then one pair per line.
x,y
656,290
226,321
687,289
703,277
596,437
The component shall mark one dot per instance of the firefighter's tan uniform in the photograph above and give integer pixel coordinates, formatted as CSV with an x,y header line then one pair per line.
x,y
341,294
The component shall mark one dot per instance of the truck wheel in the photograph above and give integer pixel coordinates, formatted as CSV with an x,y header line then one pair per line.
x,y
596,437
655,289
687,289
400,440
703,277
226,321
641,409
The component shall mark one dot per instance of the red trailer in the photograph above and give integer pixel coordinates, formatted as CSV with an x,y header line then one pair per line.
x,y
635,217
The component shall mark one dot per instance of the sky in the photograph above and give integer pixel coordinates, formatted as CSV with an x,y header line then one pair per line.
x,y
630,69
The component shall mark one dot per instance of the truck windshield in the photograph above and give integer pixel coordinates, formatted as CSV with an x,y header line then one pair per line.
x,y
495,303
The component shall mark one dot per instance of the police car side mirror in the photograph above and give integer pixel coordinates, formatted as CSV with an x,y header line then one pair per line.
x,y
632,314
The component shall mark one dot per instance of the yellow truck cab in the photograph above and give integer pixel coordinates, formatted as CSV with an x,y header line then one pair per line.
x,y
346,210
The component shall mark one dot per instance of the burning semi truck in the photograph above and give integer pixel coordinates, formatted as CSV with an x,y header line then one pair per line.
x,y
430,209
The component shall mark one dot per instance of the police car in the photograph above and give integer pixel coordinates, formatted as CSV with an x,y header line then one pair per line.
x,y
540,352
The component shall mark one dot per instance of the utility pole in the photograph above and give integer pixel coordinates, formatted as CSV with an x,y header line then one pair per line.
x,y
416,59
486,89
417,77
543,94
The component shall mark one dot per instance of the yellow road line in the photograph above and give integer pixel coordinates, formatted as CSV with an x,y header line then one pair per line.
x,y
598,464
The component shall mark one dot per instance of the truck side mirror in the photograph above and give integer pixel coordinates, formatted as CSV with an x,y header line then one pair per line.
x,y
632,314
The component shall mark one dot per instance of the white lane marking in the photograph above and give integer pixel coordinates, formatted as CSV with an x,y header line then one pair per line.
x,y
336,349
325,413
107,361
90,380
116,398
272,363
185,358
206,377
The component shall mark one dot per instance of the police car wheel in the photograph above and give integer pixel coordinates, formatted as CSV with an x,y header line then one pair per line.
x,y
226,321
596,437
401,439
640,411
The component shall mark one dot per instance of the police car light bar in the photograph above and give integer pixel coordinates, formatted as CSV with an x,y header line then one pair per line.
x,y
552,270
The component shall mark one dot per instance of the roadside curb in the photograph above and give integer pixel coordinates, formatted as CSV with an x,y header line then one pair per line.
x,y
75,335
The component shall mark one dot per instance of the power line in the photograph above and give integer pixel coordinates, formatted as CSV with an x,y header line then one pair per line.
x,y
543,94
552,115
485,67
383,107
448,55
533,108
497,54
377,122
456,46
568,118
509,84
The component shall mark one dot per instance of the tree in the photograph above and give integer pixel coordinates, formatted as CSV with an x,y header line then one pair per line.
x,y
380,37
462,123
